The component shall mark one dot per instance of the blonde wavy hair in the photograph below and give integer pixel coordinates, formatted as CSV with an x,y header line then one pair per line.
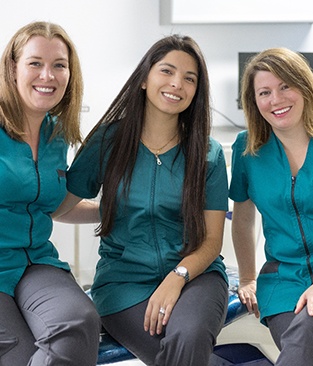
x,y
68,110
290,67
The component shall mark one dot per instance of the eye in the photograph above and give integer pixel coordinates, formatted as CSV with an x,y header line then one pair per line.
x,y
264,93
284,87
60,66
166,71
190,79
35,63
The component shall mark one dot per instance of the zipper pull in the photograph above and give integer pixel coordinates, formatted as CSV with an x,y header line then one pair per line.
x,y
159,162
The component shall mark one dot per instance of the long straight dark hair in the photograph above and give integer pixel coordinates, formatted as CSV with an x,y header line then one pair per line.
x,y
128,109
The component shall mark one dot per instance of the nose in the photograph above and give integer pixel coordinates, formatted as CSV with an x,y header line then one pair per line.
x,y
176,83
276,97
46,74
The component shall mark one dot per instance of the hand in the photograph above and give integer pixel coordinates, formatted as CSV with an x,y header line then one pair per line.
x,y
305,299
165,297
246,292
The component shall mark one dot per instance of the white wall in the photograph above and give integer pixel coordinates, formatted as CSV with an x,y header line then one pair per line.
x,y
112,36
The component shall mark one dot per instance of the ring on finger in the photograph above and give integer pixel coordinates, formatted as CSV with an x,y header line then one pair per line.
x,y
162,311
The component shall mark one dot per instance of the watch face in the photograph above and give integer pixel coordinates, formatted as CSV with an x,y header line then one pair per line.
x,y
182,270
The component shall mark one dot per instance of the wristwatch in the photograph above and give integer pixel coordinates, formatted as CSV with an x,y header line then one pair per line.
x,y
183,272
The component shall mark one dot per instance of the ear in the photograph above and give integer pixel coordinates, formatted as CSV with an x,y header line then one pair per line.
x,y
143,86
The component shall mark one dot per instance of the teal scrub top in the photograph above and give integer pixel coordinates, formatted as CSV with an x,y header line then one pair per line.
x,y
144,244
30,191
286,207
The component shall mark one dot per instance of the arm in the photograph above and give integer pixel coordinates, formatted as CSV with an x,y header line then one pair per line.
x,y
75,210
167,294
243,234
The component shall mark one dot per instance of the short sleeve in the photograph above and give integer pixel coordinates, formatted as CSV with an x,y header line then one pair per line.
x,y
216,179
83,177
238,190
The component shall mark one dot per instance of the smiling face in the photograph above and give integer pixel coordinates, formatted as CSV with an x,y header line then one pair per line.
x,y
280,105
42,75
171,84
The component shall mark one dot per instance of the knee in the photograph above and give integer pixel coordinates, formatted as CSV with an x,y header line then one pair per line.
x,y
301,327
90,319
303,320
193,335
81,317
7,341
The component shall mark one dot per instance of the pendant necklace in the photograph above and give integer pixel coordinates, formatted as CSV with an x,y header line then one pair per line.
x,y
156,154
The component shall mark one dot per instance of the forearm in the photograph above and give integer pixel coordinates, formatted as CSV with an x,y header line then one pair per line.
x,y
85,212
243,235
74,210
199,260
168,292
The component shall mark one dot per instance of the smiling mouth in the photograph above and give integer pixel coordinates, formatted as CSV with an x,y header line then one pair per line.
x,y
44,90
171,96
281,111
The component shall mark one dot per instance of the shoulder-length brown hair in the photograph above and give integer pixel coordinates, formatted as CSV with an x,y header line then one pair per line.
x,y
194,126
293,69
68,110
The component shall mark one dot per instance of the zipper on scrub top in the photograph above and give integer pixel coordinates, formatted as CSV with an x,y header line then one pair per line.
x,y
28,206
307,251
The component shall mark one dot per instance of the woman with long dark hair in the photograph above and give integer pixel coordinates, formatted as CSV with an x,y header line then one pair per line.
x,y
160,285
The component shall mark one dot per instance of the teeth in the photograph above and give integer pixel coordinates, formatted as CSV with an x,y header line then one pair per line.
x,y
282,111
171,96
44,90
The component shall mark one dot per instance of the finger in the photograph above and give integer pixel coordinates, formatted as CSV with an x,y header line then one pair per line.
x,y
310,309
243,296
146,323
153,322
300,305
249,306
255,309
159,328
151,319
250,301
167,315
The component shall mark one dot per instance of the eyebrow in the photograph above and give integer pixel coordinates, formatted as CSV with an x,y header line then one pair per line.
x,y
40,58
174,67
270,87
262,87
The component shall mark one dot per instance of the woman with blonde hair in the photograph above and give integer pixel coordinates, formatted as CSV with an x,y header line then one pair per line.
x,y
272,171
45,317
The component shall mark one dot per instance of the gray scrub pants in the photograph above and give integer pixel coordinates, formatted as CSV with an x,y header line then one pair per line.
x,y
50,321
190,335
293,335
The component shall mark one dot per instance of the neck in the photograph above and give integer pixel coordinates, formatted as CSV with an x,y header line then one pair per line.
x,y
293,138
157,120
157,133
32,135
295,146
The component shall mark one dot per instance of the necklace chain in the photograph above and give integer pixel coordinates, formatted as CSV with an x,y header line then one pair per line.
x,y
156,154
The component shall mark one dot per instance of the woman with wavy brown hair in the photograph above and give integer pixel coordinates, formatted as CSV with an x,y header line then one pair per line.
x,y
45,317
272,171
